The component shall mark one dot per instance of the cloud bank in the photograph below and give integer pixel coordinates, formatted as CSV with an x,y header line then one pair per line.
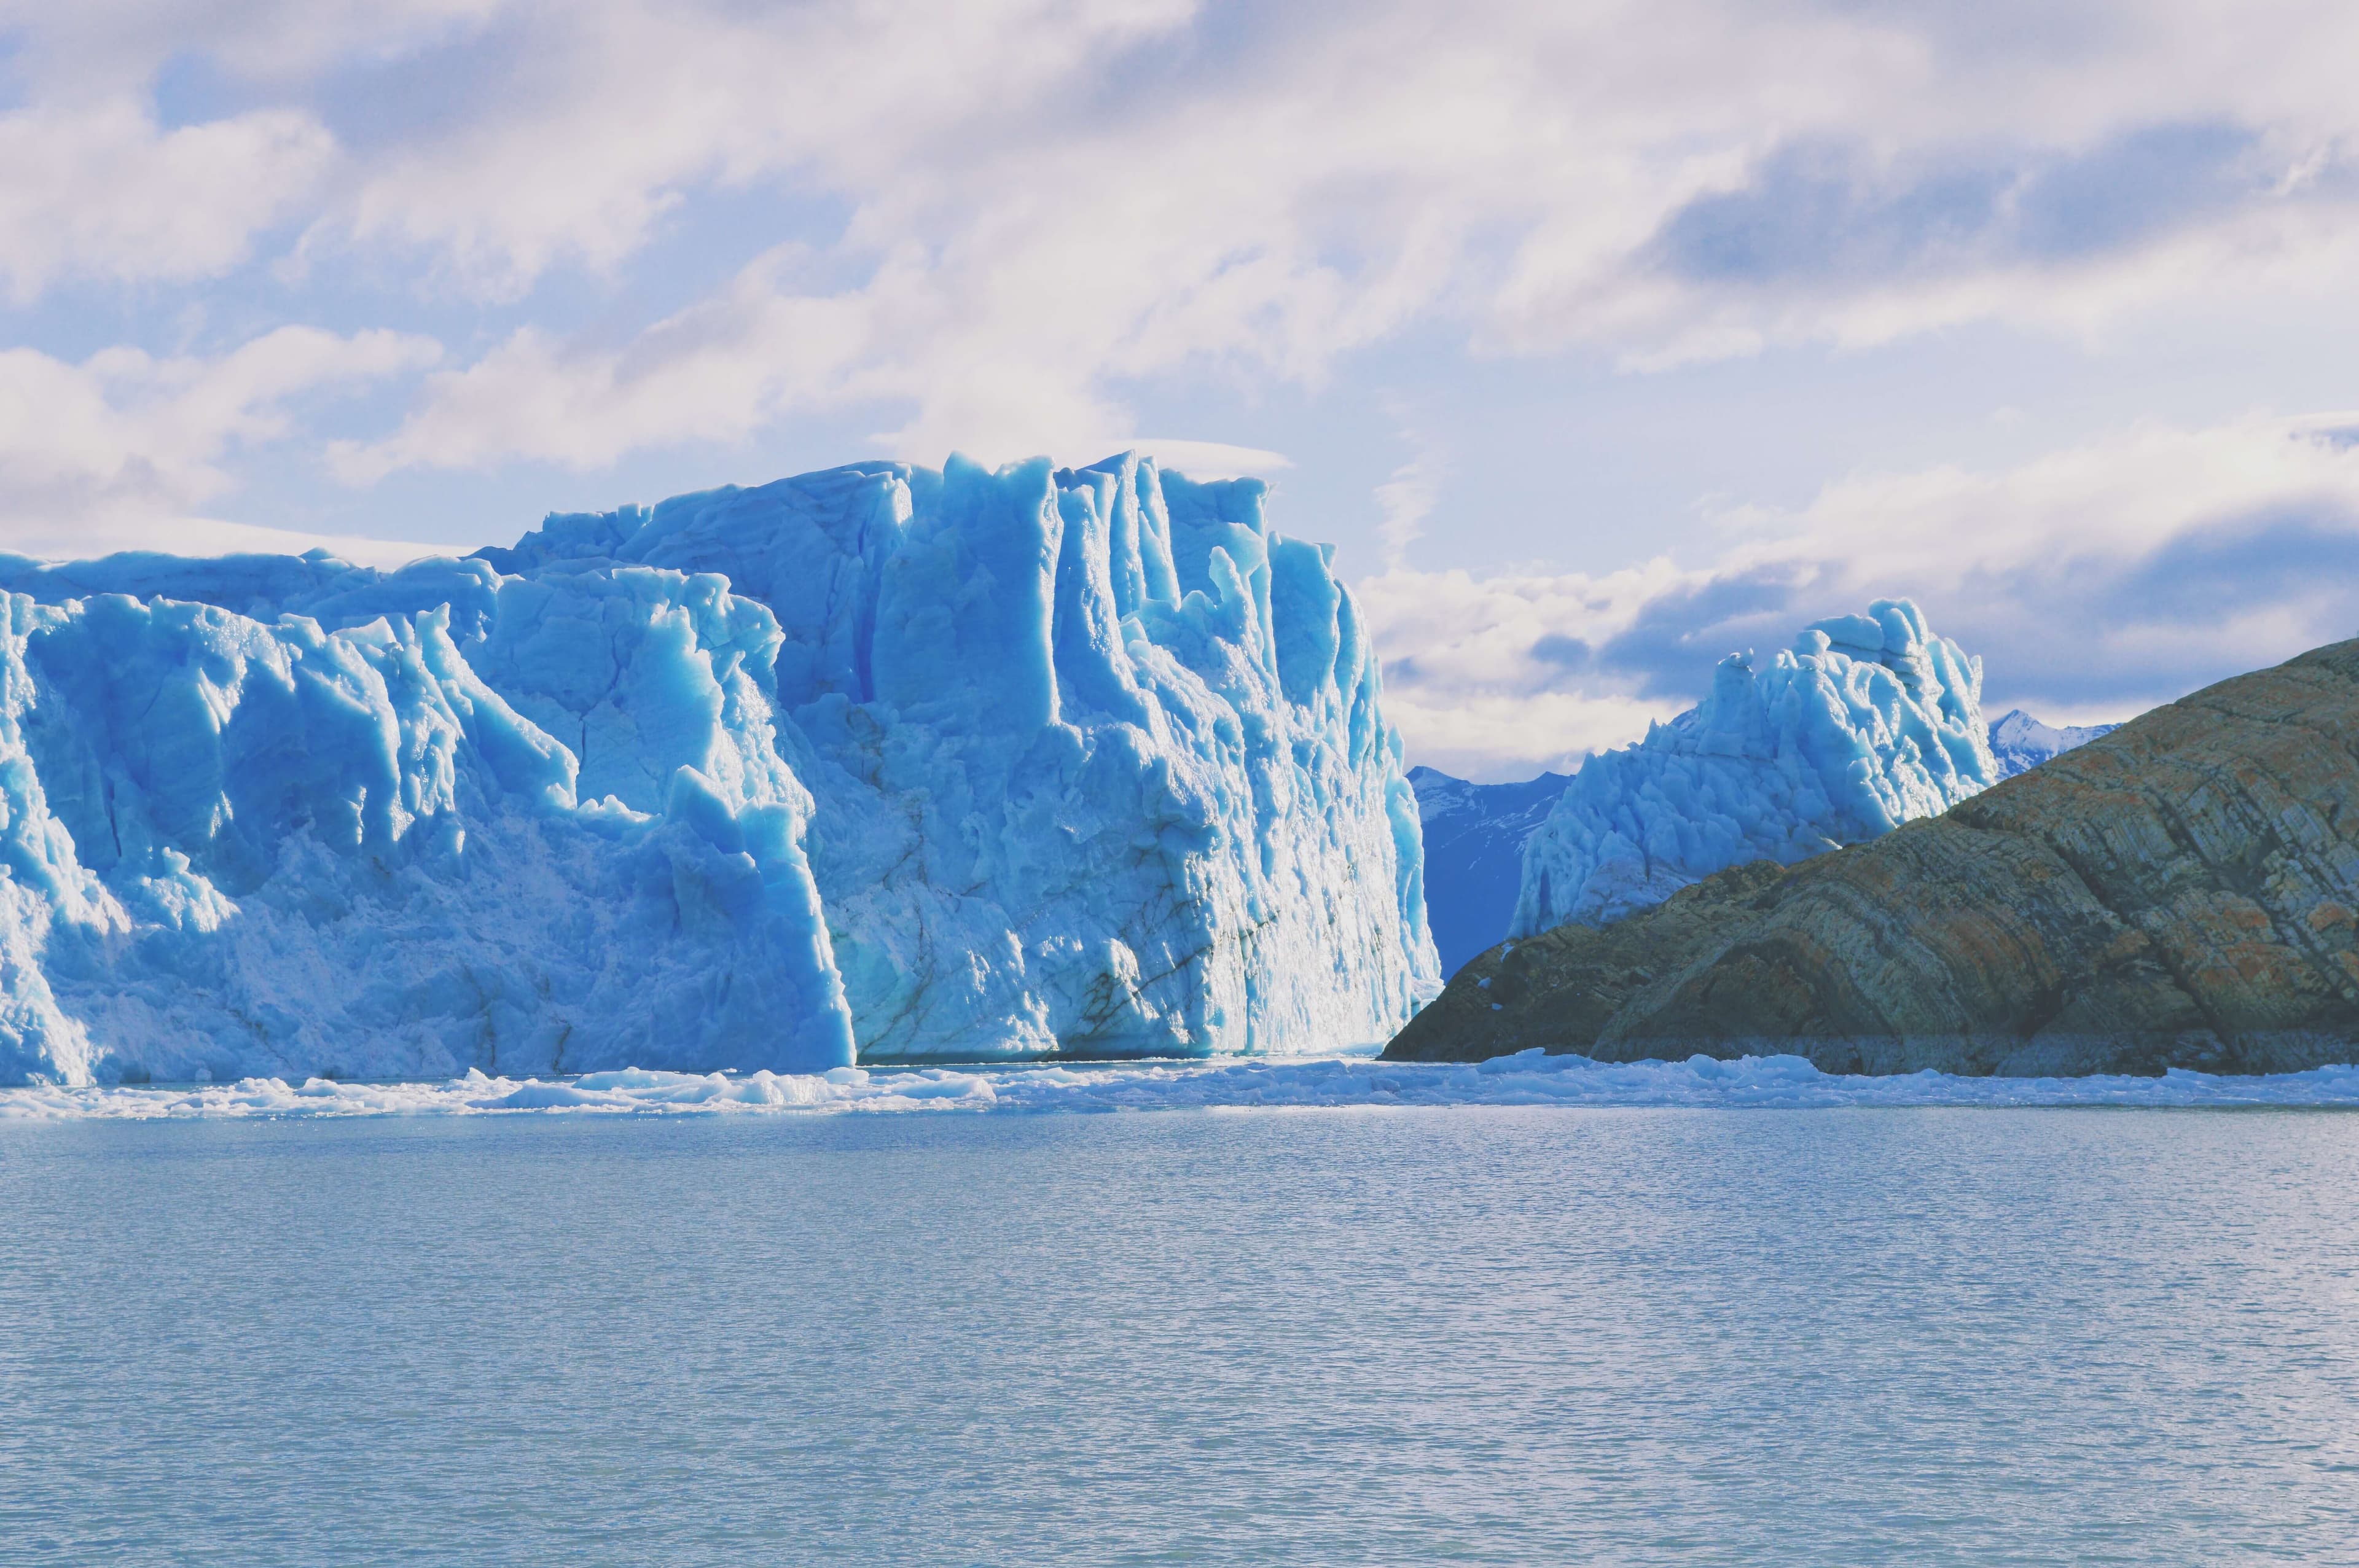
x,y
2096,582
252,247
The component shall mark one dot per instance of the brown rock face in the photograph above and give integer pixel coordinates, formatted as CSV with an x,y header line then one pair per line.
x,y
2178,893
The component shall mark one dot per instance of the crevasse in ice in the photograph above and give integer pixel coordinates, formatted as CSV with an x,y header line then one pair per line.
x,y
876,761
1865,723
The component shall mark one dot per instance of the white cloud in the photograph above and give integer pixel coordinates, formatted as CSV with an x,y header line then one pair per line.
x,y
2096,580
1044,202
613,115
100,189
1407,499
1049,198
110,46
124,446
1496,677
714,373
107,531
1198,460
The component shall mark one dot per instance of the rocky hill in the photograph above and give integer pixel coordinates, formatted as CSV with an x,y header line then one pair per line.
x,y
2179,892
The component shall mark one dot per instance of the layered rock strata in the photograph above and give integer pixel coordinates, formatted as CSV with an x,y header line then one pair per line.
x,y
2179,892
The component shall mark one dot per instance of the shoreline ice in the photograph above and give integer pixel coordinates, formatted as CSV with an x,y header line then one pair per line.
x,y
1293,1083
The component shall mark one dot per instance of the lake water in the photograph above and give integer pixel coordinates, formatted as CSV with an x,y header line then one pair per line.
x,y
1456,1334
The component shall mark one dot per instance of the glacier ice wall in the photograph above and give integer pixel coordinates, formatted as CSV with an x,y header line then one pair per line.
x,y
876,761
1865,723
1100,758
231,844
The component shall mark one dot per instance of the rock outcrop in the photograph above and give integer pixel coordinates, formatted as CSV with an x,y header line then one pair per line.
x,y
2179,892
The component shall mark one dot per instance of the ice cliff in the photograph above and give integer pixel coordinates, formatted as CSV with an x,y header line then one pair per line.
x,y
878,763
1865,723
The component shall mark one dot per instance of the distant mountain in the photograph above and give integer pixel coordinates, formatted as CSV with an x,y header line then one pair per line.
x,y
2021,742
1475,854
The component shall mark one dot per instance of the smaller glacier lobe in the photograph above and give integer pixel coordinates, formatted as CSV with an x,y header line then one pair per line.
x,y
1864,723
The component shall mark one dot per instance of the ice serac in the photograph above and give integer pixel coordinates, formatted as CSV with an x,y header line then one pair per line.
x,y
876,761
1100,760
1865,723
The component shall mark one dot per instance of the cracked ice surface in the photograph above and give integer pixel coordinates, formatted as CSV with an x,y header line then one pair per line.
x,y
878,762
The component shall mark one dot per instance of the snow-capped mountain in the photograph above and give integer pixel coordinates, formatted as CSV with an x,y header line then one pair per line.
x,y
2021,742
1474,837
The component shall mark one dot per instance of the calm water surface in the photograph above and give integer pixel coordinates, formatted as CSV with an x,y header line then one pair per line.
x,y
1467,1334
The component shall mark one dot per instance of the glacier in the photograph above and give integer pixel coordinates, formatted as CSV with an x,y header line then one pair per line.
x,y
879,763
1863,723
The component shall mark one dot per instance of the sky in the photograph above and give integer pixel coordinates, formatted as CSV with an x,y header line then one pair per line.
x,y
1603,339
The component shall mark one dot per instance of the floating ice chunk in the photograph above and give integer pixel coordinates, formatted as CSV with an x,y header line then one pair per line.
x,y
1782,1083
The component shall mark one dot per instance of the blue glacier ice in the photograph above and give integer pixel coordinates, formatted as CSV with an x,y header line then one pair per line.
x,y
1865,723
875,763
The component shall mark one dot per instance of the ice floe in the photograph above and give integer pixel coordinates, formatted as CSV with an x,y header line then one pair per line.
x,y
1528,1079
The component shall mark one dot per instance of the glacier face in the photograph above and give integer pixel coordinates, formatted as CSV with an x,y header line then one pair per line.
x,y
233,844
1865,723
876,761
